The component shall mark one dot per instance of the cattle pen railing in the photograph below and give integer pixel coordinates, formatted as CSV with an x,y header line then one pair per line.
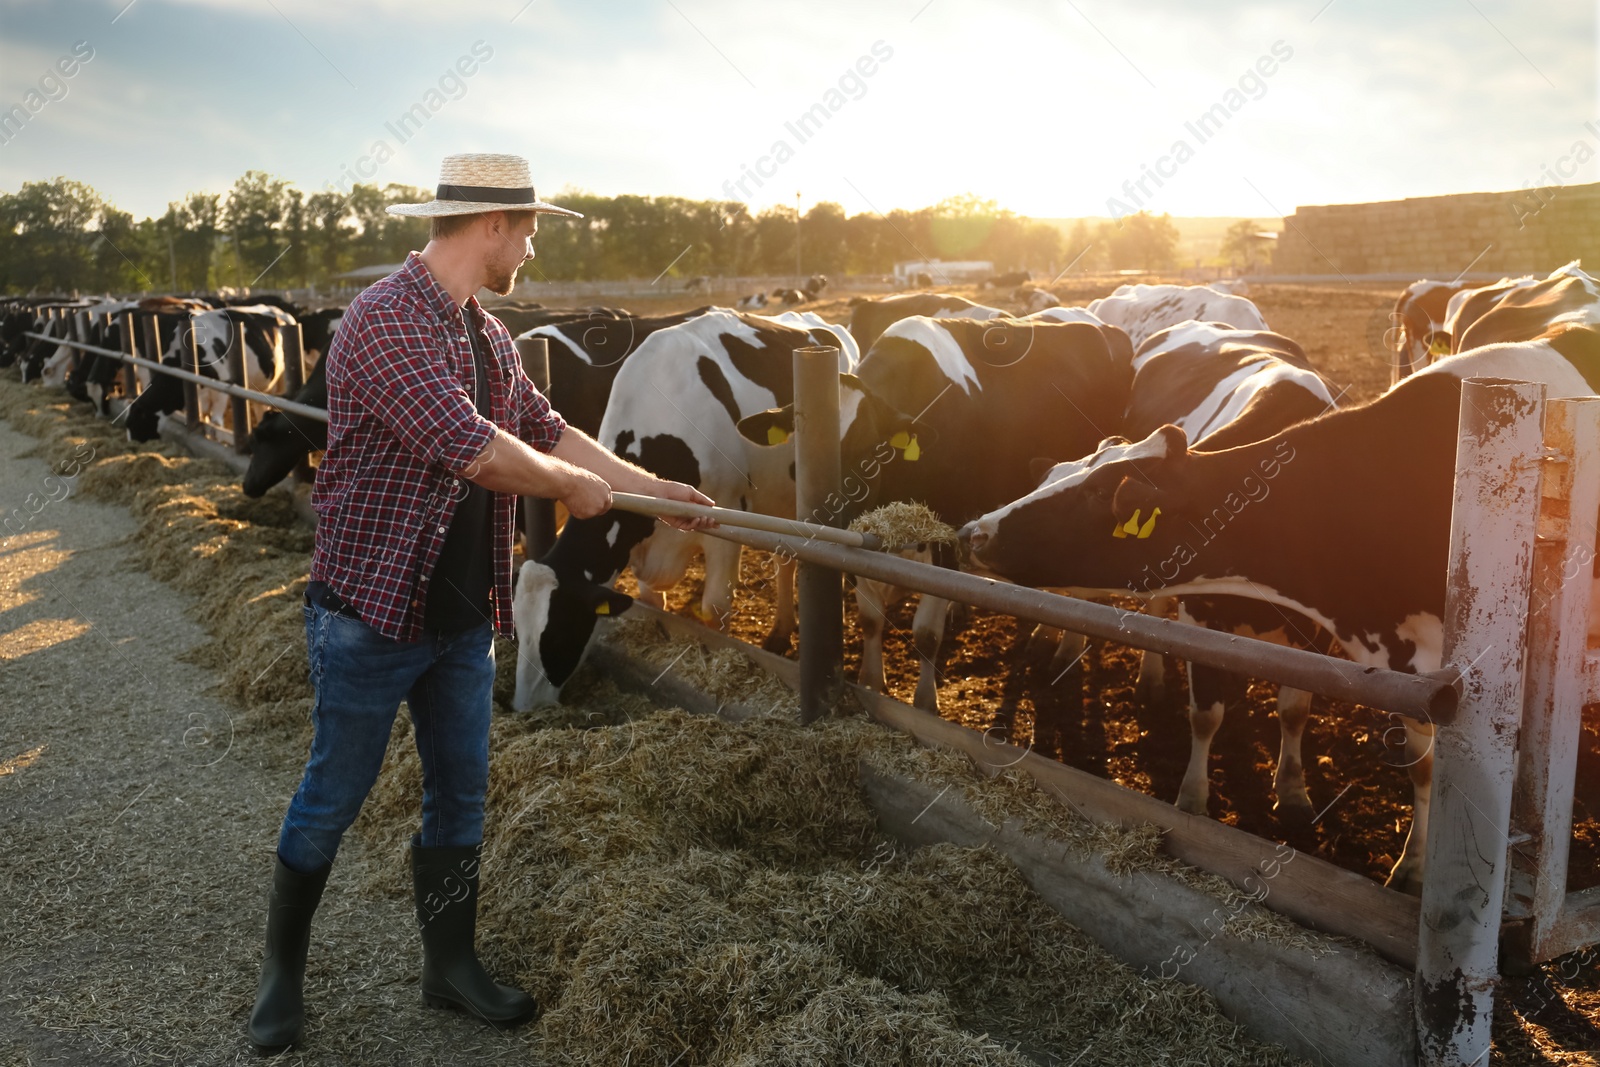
x,y
1506,708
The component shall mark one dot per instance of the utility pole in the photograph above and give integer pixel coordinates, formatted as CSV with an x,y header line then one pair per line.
x,y
798,277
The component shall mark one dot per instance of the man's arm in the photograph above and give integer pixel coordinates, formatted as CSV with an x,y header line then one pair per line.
x,y
577,472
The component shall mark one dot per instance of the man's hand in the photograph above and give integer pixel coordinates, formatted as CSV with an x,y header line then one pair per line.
x,y
688,493
590,495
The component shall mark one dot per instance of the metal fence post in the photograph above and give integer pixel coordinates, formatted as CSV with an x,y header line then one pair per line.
x,y
538,513
1485,637
820,591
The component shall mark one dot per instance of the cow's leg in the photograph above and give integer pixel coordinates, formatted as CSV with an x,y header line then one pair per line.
x,y
872,606
1151,685
1289,781
783,622
1069,654
1207,704
1036,642
722,577
1407,873
927,633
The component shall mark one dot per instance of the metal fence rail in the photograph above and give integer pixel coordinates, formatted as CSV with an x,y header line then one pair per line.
x,y
279,402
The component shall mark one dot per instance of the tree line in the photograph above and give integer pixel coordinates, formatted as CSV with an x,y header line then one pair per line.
x,y
265,233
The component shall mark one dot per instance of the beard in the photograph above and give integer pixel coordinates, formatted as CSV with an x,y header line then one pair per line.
x,y
500,279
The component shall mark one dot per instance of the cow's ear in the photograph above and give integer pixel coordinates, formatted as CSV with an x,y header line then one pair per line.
x,y
771,427
1038,467
1153,483
608,601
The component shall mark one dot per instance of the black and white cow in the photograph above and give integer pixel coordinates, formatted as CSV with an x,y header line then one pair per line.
x,y
1223,388
816,285
951,413
1034,299
673,410
753,302
1143,310
215,331
1526,311
1417,330
282,439
869,318
1303,520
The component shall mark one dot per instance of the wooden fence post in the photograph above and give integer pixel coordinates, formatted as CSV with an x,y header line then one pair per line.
x,y
820,591
1555,689
130,347
1485,638
294,359
238,405
538,513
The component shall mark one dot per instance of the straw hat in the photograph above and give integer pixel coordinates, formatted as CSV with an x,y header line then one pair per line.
x,y
474,182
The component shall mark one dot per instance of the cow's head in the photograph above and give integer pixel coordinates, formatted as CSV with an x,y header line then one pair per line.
x,y
278,443
880,446
1094,523
555,617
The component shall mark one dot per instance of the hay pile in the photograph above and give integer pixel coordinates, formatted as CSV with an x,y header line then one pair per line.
x,y
678,889
903,524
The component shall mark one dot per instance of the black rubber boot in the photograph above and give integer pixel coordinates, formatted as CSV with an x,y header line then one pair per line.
x,y
279,1018
446,884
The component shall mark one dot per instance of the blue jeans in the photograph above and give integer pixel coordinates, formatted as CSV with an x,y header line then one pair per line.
x,y
360,677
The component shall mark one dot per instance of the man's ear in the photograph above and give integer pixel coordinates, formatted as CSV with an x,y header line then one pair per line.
x,y
1155,482
771,427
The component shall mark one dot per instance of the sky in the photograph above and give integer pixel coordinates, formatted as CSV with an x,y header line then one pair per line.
x,y
1053,108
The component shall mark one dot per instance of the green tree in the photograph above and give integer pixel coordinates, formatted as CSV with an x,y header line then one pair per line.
x,y
1139,242
47,230
253,218
1240,246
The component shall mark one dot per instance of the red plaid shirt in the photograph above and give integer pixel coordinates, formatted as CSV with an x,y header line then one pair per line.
x,y
401,429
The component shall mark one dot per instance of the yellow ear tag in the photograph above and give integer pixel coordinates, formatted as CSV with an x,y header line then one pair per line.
x,y
776,435
912,450
901,440
602,608
1439,347
1150,524
1126,528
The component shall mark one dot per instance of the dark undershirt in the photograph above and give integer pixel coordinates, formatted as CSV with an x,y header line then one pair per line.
x,y
458,595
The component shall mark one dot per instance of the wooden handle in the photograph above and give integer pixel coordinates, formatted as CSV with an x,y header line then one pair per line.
x,y
682,509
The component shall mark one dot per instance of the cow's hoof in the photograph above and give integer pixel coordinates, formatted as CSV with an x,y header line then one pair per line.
x,y
1295,812
778,643
1192,805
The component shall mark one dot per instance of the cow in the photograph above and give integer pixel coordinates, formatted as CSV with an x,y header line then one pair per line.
x,y
1142,310
951,413
1034,299
1009,280
753,302
38,354
214,333
790,297
1417,324
1223,388
816,285
673,410
869,318
283,439
1524,312
1303,520
1065,314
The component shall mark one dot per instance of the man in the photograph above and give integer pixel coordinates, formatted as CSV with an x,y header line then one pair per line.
x,y
430,423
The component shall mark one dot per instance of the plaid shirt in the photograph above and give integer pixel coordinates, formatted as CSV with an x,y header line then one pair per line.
x,y
401,428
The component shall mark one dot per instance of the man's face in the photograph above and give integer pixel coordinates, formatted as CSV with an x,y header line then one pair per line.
x,y
511,245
